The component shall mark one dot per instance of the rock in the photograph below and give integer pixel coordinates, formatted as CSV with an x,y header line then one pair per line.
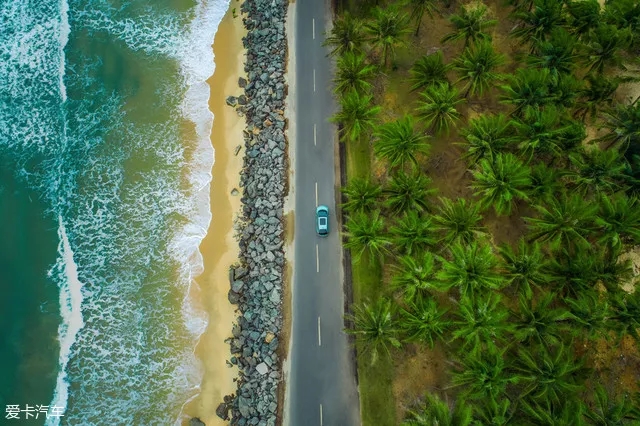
x,y
223,411
237,150
242,100
234,298
235,192
262,368
196,422
269,337
274,297
243,406
232,101
237,286
240,272
242,82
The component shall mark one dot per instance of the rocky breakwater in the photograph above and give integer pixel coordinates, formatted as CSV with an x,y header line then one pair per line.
x,y
257,282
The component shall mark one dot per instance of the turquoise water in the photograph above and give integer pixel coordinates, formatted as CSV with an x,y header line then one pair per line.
x,y
105,164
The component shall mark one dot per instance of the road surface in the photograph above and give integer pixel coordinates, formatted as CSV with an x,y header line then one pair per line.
x,y
321,389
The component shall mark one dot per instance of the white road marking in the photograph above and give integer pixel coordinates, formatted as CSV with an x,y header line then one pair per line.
x,y
319,335
314,134
313,25
317,260
314,79
320,414
316,194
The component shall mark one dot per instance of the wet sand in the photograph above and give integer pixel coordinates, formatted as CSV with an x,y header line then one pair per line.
x,y
219,248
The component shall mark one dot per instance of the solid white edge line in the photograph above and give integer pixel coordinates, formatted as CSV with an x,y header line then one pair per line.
x,y
317,260
319,333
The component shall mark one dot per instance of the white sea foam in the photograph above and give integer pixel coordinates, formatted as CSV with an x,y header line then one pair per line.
x,y
64,39
71,313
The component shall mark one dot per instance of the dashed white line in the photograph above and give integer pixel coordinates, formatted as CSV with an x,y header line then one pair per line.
x,y
317,260
319,335
320,414
314,134
313,25
316,194
314,80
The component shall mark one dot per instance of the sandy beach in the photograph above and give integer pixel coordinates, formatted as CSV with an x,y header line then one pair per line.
x,y
219,249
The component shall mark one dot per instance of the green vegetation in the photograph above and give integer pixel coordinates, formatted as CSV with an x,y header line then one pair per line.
x,y
493,170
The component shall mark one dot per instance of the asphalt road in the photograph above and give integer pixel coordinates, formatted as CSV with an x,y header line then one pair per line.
x,y
321,389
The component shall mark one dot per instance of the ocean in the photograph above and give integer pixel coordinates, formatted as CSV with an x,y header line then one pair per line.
x,y
105,166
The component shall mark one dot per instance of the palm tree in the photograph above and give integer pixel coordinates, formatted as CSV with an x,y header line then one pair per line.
x,y
362,195
365,232
539,133
439,107
565,221
472,268
618,221
408,192
553,376
347,35
415,276
484,376
524,267
419,8
482,321
387,31
596,171
357,114
470,24
568,412
584,16
423,321
413,234
400,142
623,123
598,93
495,413
375,328
605,46
527,88
546,183
558,54
564,90
536,24
625,14
608,411
625,313
573,272
501,182
353,73
459,221
437,412
485,136
589,315
477,67
428,70
540,323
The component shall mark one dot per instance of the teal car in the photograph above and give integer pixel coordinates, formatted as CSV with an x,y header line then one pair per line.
x,y
322,220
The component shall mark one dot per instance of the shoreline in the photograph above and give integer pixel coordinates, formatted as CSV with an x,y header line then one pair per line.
x,y
219,248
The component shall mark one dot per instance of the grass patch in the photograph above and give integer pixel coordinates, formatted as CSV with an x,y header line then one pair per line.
x,y
375,381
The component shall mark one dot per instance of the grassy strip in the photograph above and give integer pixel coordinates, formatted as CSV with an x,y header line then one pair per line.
x,y
375,381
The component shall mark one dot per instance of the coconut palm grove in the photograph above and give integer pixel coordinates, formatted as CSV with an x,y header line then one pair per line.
x,y
491,205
